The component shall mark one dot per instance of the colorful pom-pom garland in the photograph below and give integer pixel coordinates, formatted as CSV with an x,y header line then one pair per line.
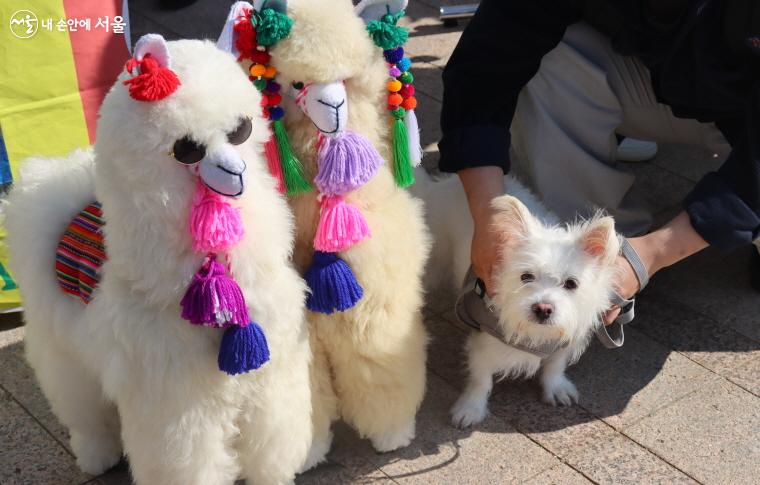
x,y
401,101
256,31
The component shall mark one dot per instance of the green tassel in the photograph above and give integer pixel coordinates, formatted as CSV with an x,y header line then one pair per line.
x,y
385,33
402,165
292,170
271,26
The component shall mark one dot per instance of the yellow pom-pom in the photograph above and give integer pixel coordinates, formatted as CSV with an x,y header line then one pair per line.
x,y
394,86
270,73
258,70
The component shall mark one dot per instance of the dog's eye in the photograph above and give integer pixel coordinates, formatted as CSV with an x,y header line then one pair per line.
x,y
298,85
241,132
527,277
188,151
570,284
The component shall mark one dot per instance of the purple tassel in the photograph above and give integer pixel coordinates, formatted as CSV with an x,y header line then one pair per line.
x,y
213,298
346,161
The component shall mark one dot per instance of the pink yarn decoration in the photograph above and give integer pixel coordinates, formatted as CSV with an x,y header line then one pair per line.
x,y
214,224
341,225
273,161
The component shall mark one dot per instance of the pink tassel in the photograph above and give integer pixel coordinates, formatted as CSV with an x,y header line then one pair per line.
x,y
341,225
214,224
273,161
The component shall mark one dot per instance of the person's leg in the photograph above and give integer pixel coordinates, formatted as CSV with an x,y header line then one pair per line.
x,y
565,124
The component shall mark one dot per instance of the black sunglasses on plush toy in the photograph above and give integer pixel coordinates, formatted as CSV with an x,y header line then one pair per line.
x,y
188,152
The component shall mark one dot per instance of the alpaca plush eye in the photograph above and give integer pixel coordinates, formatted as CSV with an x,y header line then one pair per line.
x,y
241,132
527,277
298,85
188,151
570,284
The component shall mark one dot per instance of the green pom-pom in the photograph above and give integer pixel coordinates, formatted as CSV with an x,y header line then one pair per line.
x,y
385,33
398,113
260,84
292,170
271,26
402,165
406,77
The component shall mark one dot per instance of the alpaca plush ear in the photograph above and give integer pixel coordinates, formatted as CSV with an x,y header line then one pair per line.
x,y
513,220
599,239
370,10
226,41
155,45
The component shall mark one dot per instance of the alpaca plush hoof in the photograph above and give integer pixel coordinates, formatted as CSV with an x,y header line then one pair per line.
x,y
317,453
393,440
95,455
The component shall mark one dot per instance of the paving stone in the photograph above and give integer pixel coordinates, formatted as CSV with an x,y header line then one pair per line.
x,y
718,347
492,452
29,454
559,475
623,385
713,434
428,37
620,461
344,466
118,475
446,354
428,80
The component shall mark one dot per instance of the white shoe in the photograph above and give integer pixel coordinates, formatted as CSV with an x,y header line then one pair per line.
x,y
633,150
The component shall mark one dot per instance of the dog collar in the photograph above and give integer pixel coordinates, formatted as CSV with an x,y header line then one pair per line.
x,y
475,309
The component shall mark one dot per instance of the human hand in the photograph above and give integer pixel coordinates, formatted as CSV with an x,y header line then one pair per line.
x,y
485,253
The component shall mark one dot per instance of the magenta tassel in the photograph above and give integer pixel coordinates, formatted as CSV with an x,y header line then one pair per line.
x,y
346,161
341,225
213,298
214,224
275,164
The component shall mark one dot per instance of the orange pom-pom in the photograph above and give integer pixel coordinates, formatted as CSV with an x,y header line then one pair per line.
x,y
258,70
409,103
394,86
395,99
270,73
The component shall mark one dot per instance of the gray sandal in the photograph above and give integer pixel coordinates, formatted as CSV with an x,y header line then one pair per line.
x,y
612,335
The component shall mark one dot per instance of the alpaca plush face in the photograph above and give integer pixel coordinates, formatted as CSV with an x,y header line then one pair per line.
x,y
555,281
324,103
163,146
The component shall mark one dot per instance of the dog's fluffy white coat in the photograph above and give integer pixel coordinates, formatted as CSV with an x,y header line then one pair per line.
x,y
128,356
540,256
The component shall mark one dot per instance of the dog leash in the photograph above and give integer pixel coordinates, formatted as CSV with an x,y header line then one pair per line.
x,y
476,310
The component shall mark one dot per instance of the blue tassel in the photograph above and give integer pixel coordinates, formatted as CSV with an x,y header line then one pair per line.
x,y
332,283
243,349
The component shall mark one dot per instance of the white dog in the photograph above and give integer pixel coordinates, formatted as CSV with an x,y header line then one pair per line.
x,y
551,289
128,358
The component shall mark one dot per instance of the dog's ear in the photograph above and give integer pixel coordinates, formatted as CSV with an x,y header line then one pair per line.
x,y
513,221
599,239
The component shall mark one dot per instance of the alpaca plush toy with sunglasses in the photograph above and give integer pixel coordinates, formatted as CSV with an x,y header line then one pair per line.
x,y
342,148
175,325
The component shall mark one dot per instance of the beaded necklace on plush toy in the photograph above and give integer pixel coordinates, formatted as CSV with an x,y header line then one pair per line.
x,y
401,101
256,32
213,298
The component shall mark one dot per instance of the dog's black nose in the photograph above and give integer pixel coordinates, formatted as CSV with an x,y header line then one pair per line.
x,y
542,311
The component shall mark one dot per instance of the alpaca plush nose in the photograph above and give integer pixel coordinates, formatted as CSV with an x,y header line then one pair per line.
x,y
327,106
223,171
542,311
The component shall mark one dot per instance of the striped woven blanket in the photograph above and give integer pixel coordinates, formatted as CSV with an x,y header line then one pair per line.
x,y
81,252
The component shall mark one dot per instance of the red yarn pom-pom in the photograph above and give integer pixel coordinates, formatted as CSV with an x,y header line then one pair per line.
x,y
154,81
245,36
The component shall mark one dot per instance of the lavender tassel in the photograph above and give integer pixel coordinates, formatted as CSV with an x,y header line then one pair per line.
x,y
213,298
346,161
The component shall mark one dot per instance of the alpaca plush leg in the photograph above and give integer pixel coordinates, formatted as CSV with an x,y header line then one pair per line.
x,y
381,380
276,433
77,399
179,438
324,404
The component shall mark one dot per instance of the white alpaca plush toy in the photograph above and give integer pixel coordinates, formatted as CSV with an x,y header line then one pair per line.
x,y
191,351
343,148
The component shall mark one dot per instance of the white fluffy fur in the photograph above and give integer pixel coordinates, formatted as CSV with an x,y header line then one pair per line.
x,y
536,245
128,354
370,360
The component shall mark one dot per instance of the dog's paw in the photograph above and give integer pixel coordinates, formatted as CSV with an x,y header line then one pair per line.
x,y
560,391
393,440
468,411
95,455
